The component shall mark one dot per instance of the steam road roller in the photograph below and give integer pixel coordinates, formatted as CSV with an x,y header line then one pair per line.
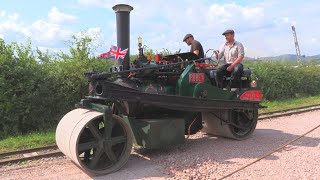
x,y
154,104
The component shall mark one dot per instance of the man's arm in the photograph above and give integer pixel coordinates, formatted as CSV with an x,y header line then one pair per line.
x,y
196,52
238,60
221,52
195,47
240,50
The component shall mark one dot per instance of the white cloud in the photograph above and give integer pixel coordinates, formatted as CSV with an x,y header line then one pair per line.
x,y
253,14
13,17
264,27
42,32
206,25
12,24
2,13
91,33
234,15
314,40
95,34
96,3
285,20
53,50
48,33
58,17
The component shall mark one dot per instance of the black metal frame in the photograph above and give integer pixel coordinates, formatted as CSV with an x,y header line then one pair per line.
x,y
113,92
104,75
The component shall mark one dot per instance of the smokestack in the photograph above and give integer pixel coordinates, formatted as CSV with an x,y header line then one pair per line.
x,y
123,30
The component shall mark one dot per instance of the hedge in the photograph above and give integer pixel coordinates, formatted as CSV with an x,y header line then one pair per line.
x,y
286,80
37,89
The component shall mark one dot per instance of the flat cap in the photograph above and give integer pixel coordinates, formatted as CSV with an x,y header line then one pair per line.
x,y
186,37
229,31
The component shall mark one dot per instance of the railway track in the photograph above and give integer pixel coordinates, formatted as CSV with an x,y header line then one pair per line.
x,y
29,154
288,112
8,158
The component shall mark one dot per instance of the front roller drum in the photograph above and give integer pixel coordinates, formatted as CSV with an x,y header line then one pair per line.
x,y
96,145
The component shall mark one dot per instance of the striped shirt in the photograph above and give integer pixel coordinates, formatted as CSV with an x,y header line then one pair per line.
x,y
230,54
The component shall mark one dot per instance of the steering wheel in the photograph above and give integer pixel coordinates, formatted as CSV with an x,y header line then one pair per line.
x,y
214,61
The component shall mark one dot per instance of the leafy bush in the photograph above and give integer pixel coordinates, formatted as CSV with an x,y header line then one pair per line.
x,y
37,89
284,80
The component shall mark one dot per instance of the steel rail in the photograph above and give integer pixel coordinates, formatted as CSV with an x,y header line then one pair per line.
x,y
286,110
24,151
20,159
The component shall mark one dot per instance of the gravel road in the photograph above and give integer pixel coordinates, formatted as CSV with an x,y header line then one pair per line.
x,y
207,157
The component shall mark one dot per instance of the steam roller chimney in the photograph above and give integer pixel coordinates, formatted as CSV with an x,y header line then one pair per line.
x,y
123,31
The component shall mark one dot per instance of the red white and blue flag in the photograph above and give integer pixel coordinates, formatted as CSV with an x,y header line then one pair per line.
x,y
105,55
115,53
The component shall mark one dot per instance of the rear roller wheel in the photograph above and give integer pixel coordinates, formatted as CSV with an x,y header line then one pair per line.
x,y
96,146
243,123
232,124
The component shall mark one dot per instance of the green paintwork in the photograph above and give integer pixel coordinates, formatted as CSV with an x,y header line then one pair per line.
x,y
150,133
212,92
97,107
157,133
184,88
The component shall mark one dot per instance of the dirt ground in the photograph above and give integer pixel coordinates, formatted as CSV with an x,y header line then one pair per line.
x,y
207,157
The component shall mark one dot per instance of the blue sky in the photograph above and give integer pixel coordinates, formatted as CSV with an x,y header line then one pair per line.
x,y
264,27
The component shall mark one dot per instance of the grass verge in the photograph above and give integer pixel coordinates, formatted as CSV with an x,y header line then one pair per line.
x,y
39,139
32,140
288,104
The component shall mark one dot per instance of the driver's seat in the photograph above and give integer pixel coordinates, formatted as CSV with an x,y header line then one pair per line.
x,y
245,76
239,83
245,73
